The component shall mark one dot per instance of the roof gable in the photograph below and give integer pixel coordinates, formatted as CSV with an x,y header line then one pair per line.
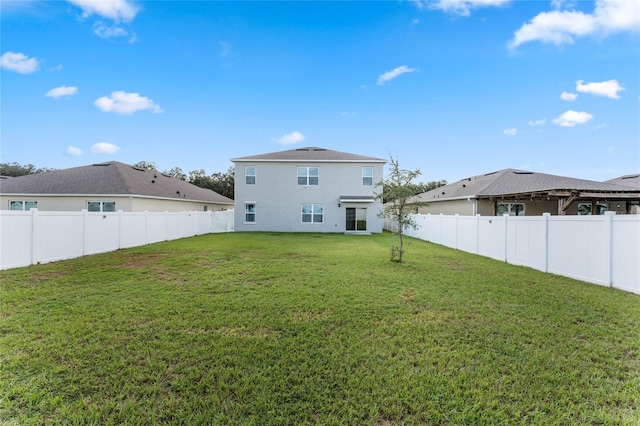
x,y
310,154
111,178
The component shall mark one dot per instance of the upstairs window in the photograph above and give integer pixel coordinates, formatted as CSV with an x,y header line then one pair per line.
x,y
250,175
23,205
367,176
101,206
312,213
308,176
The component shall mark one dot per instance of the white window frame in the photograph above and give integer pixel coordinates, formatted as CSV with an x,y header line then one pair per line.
x,y
511,209
248,211
101,205
364,176
25,205
314,211
248,175
307,176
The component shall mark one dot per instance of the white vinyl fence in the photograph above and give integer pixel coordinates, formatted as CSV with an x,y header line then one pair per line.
x,y
28,238
603,249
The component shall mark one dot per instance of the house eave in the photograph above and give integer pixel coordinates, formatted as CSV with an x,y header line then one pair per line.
x,y
151,197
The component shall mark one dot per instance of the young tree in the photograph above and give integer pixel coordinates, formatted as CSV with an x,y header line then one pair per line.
x,y
397,192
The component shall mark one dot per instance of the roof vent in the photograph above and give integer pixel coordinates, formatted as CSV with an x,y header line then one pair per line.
x,y
138,169
101,164
630,177
522,172
302,149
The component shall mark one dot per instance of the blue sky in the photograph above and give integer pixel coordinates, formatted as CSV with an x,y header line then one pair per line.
x,y
456,88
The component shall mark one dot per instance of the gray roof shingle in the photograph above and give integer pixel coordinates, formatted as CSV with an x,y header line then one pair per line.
x,y
310,154
512,181
627,180
111,178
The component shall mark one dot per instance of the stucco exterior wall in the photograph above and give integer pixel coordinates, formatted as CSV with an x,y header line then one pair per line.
x,y
127,203
278,197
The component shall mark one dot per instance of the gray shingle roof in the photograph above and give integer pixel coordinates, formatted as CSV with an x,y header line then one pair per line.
x,y
310,154
627,180
512,181
111,178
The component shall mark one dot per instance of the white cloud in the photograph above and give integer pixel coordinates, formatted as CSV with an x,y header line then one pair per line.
x,y
561,26
76,152
56,68
390,75
510,132
291,138
18,62
104,148
571,118
126,103
116,10
609,88
61,91
538,122
457,7
105,31
566,96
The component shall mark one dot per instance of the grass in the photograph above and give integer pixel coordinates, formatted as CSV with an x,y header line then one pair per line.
x,y
272,329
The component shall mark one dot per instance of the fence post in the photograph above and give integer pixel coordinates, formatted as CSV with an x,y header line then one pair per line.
x,y
119,229
457,216
146,227
85,213
34,235
545,219
608,234
477,233
506,239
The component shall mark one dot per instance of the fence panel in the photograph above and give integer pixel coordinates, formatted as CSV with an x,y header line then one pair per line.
x,y
17,238
491,237
577,248
101,233
468,234
41,236
58,236
625,259
603,250
133,229
527,240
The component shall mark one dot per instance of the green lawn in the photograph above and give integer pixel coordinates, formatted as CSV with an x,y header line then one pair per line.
x,y
263,329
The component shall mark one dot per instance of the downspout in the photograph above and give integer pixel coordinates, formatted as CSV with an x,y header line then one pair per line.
x,y
474,208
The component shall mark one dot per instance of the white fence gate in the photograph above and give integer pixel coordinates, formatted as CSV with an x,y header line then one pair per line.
x,y
603,249
28,238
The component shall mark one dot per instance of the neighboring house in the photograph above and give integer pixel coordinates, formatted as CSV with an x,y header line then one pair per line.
x,y
109,186
627,180
307,190
525,193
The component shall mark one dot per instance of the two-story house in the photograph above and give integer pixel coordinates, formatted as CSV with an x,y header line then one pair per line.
x,y
307,190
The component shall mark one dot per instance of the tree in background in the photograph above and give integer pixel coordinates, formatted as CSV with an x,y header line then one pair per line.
x,y
147,165
176,172
222,183
397,193
14,169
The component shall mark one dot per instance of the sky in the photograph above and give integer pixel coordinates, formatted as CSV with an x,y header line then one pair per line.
x,y
455,88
